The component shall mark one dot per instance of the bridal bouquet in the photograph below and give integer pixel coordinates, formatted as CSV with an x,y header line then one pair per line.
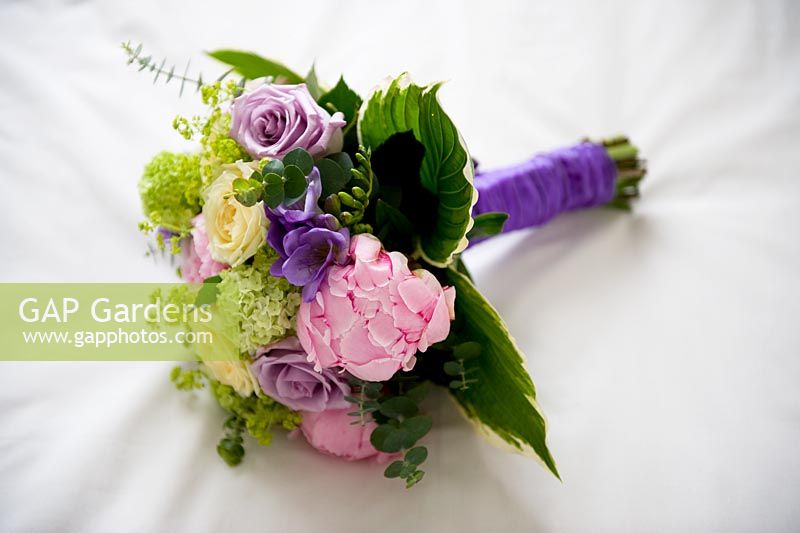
x,y
325,230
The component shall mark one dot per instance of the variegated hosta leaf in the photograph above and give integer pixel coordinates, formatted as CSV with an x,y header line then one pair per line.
x,y
502,403
447,171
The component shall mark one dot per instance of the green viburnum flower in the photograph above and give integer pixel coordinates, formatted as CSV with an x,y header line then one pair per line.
x,y
170,189
258,308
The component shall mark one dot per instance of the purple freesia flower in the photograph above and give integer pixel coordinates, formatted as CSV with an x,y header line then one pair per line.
x,y
307,240
285,375
304,208
307,250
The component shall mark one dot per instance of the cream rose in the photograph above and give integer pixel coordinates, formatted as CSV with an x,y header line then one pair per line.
x,y
235,232
221,357
235,374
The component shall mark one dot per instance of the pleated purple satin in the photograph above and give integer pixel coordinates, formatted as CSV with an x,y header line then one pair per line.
x,y
537,190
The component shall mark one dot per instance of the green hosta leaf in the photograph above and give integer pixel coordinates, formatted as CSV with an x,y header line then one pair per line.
x,y
487,224
254,66
502,400
342,98
446,170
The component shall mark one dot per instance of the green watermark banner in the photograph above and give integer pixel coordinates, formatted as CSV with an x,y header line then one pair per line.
x,y
113,322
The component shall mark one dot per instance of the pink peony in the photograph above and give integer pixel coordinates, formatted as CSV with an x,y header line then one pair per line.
x,y
371,316
331,432
197,262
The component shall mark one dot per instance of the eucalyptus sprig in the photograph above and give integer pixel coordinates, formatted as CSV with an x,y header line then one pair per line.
x,y
160,69
277,182
366,399
400,426
457,368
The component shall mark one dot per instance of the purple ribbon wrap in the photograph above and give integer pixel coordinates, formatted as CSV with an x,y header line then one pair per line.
x,y
537,190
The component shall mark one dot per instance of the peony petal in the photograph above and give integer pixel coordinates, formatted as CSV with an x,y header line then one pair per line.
x,y
382,330
416,294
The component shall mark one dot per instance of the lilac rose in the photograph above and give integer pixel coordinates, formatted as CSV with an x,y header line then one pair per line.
x,y
272,120
285,375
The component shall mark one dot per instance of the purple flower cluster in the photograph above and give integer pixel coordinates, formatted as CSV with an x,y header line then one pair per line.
x,y
308,241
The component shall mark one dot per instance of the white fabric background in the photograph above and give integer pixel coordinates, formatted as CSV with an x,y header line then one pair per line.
x,y
665,344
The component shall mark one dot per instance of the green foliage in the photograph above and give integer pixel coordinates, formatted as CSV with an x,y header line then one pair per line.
x,y
342,98
630,170
231,446
248,191
253,66
446,170
487,225
366,400
300,159
399,428
312,82
255,414
256,307
348,203
208,292
160,69
187,379
170,189
502,400
277,182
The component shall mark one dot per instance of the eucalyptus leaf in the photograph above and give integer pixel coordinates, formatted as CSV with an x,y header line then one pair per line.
x,y
273,165
254,66
446,171
418,392
453,368
273,189
387,438
417,427
301,159
295,184
247,191
398,406
502,402
417,456
394,469
414,478
467,350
